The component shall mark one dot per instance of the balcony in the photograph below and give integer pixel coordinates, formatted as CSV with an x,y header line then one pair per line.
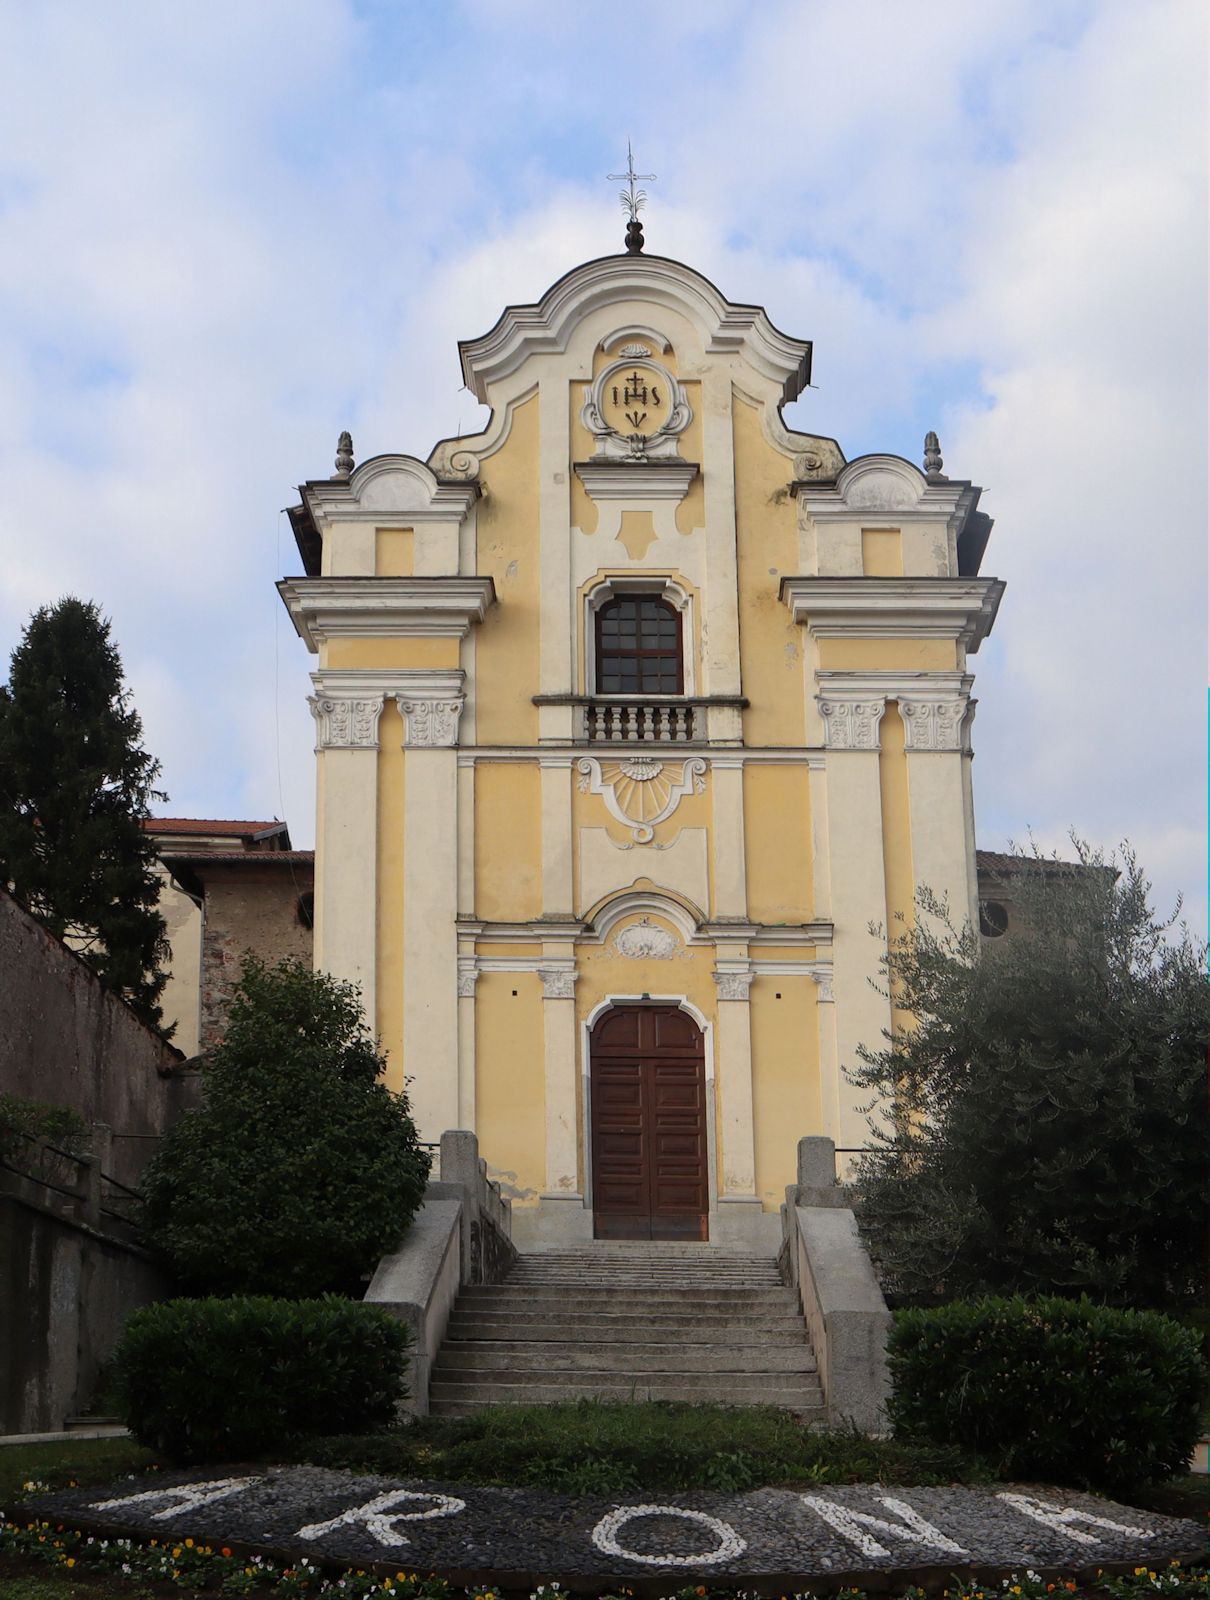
x,y
625,721
651,719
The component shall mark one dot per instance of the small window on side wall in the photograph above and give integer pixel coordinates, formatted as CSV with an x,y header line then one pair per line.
x,y
638,647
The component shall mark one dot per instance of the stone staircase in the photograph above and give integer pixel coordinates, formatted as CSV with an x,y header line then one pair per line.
x,y
641,1321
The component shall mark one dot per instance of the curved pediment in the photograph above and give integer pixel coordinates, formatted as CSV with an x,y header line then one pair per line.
x,y
546,328
881,483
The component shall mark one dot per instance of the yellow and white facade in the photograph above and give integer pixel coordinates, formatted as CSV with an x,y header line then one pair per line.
x,y
507,847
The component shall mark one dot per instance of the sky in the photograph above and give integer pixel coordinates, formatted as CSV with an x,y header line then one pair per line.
x,y
229,231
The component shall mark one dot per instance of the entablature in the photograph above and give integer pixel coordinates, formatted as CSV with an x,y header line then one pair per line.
x,y
962,609
359,608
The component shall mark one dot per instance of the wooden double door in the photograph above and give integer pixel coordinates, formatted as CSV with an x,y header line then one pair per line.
x,y
649,1149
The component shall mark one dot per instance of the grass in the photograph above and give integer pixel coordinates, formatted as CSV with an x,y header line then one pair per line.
x,y
13,1587
589,1447
80,1460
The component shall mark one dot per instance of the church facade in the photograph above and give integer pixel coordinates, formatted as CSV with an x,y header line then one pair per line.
x,y
635,713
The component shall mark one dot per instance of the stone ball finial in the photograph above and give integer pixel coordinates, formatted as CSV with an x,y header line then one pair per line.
x,y
932,456
634,237
344,455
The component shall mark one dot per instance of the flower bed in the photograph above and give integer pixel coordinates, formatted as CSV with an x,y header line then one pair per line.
x,y
223,1570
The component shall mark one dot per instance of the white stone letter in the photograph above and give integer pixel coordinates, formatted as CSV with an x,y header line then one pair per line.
x,y
383,1528
605,1536
848,1522
187,1495
1060,1519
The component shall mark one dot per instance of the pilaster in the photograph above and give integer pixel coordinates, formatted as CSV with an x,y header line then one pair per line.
x,y
730,873
558,975
430,703
861,1010
733,977
937,733
347,714
555,780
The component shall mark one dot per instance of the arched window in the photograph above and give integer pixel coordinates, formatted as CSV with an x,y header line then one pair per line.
x,y
639,647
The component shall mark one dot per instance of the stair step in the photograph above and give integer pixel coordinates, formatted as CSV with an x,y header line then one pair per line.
x,y
740,1382
458,1399
644,1250
664,1297
731,1330
632,1359
611,1280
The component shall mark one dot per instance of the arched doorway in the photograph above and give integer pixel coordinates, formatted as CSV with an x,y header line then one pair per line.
x,y
647,1074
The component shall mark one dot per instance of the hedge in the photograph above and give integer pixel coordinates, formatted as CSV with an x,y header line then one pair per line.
x,y
1062,1390
207,1380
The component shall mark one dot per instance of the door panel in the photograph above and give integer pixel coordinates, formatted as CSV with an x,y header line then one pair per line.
x,y
648,1125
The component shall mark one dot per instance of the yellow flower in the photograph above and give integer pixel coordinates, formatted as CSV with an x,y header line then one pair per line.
x,y
71,1561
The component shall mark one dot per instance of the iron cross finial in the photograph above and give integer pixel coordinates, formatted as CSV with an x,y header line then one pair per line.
x,y
633,200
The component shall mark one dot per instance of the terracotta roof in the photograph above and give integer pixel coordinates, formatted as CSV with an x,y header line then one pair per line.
x,y
996,861
208,826
241,858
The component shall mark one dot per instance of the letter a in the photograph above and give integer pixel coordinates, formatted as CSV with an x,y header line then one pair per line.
x,y
188,1496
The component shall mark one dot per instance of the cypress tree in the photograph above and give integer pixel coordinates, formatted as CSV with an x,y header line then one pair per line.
x,y
75,790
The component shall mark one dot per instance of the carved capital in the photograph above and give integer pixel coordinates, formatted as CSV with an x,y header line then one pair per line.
x,y
346,722
558,983
823,983
851,724
937,724
468,977
733,983
430,723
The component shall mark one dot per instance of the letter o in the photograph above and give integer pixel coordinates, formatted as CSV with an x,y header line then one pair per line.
x,y
605,1536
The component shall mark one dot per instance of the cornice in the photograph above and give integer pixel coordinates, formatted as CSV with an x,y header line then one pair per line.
x,y
628,480
962,609
546,328
358,608
892,683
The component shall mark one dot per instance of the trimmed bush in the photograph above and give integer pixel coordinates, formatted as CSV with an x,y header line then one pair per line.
x,y
301,1168
1063,1390
207,1380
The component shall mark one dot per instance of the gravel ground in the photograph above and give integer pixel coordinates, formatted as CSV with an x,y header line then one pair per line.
x,y
420,1524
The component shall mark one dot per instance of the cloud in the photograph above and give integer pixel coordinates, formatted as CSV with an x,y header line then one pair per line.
x,y
227,234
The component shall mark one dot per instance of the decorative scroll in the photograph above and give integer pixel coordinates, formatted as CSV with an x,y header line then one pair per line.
x,y
641,791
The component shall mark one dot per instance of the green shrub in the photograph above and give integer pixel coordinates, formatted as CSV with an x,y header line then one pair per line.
x,y
1063,1390
300,1169
207,1380
599,1447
